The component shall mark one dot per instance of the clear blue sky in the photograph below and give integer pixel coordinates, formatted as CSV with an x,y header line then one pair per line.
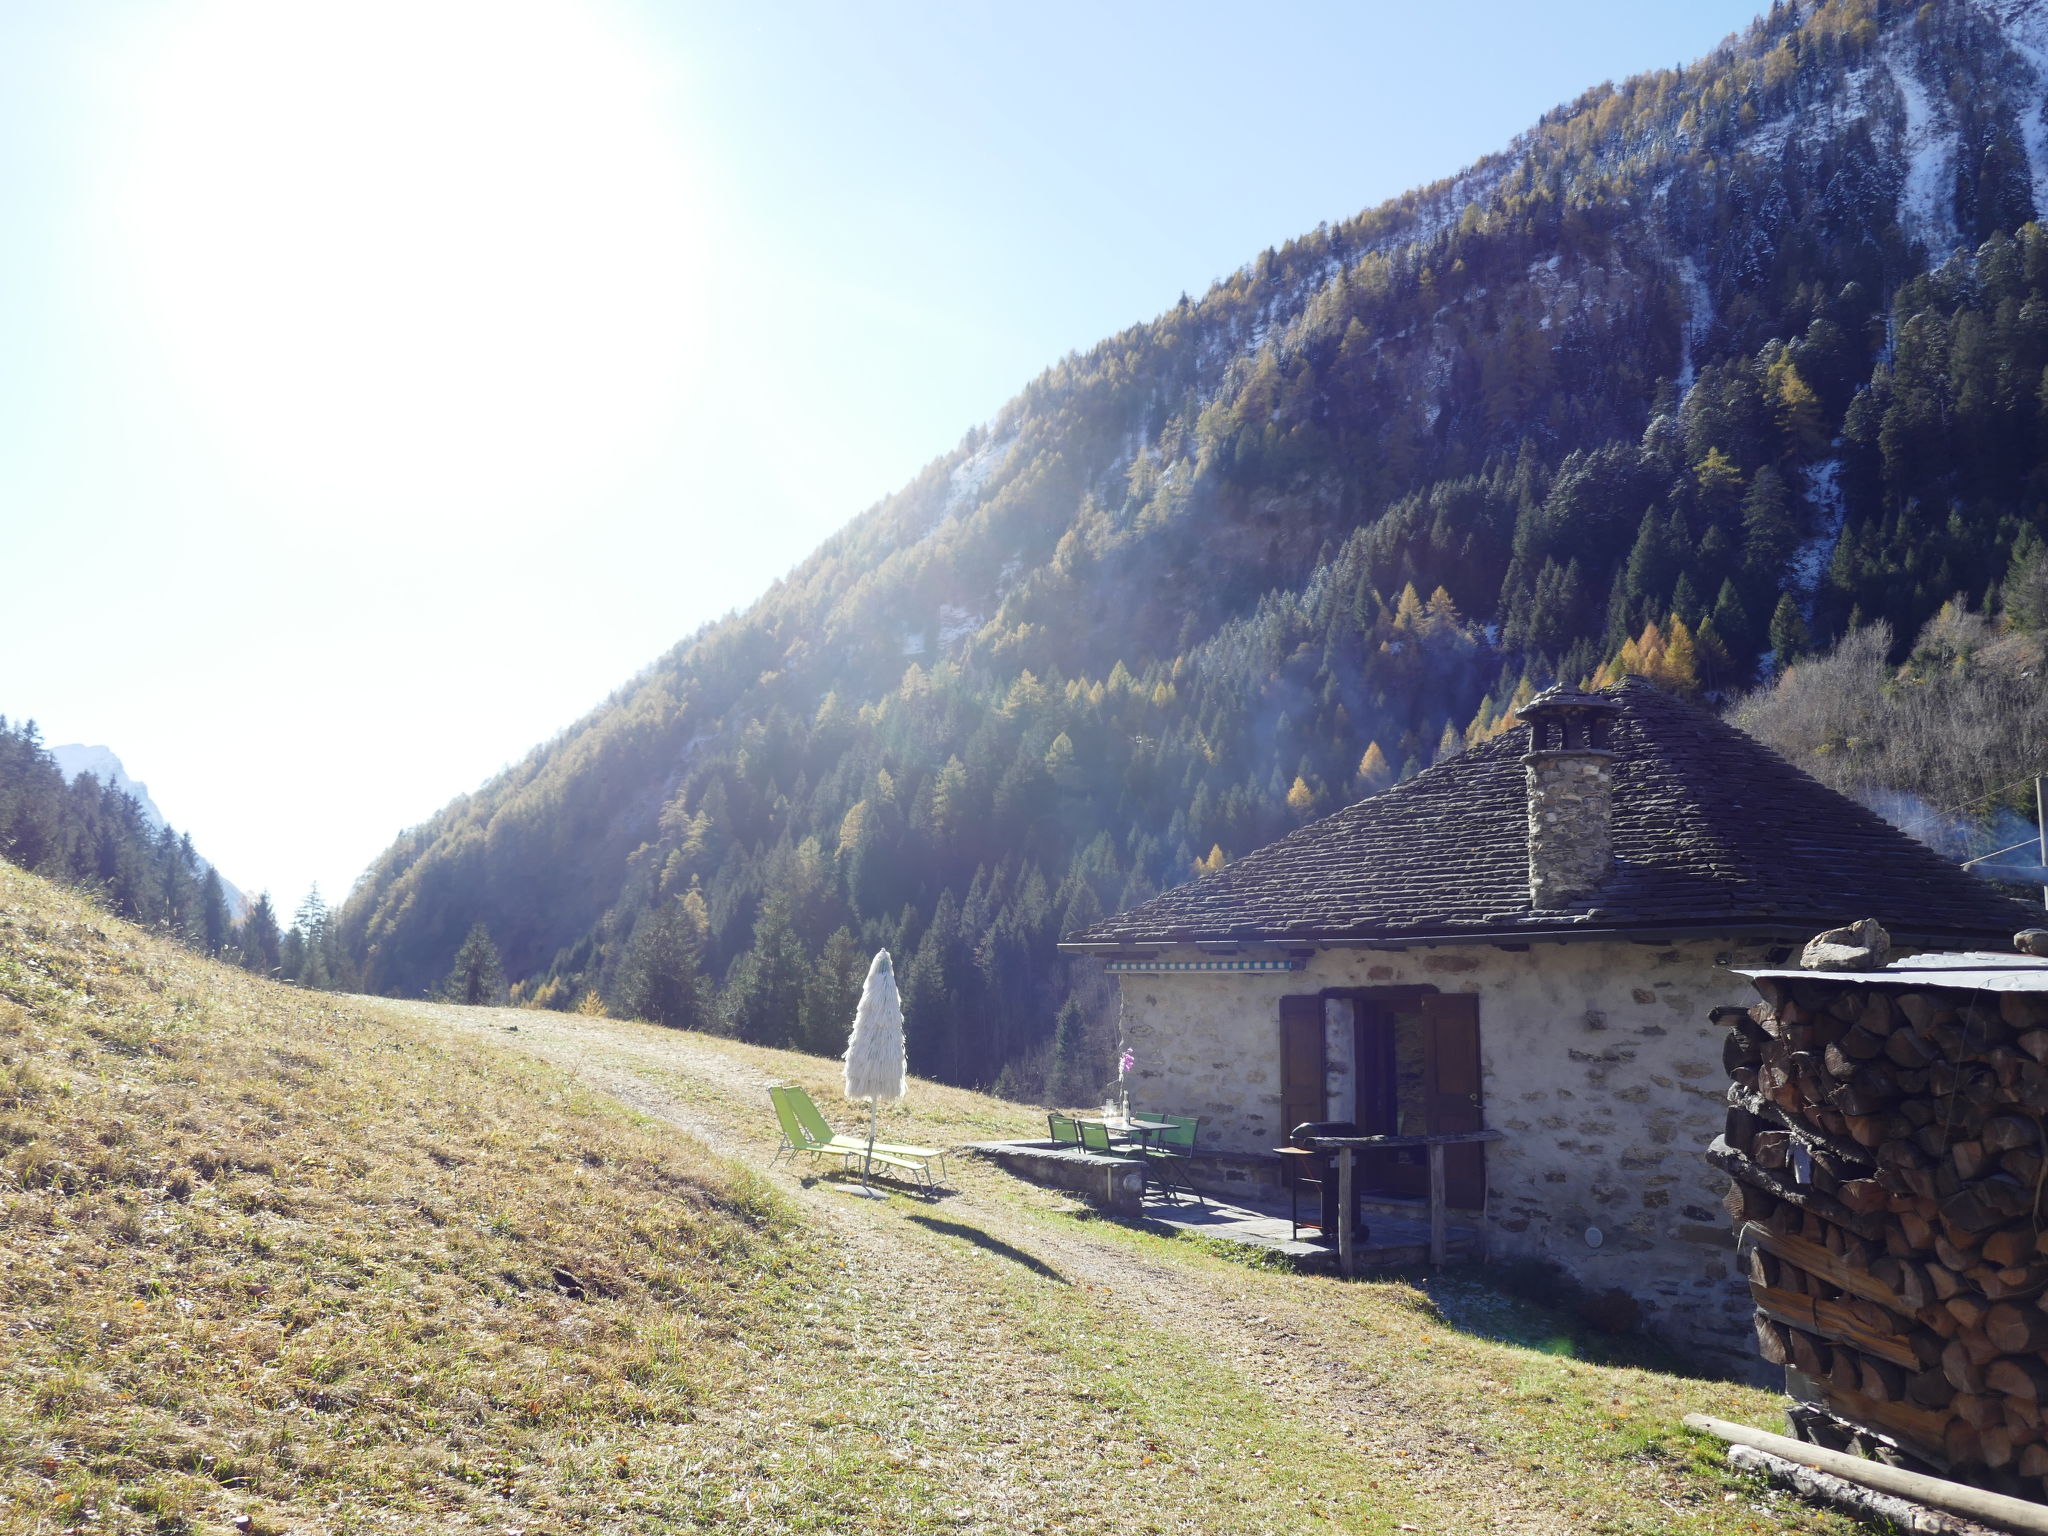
x,y
383,382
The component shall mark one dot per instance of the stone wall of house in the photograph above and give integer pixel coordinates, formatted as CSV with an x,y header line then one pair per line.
x,y
1600,1065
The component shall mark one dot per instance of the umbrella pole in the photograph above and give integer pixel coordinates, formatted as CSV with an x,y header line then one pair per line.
x,y
868,1164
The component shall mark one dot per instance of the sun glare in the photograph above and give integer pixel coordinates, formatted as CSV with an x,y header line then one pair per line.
x,y
413,256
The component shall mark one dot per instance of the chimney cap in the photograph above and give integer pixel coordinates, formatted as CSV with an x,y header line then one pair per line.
x,y
1565,722
1563,700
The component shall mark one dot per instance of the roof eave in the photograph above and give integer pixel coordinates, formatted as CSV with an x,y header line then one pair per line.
x,y
1793,932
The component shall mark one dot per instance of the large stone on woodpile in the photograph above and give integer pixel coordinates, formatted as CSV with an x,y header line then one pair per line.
x,y
2031,941
1863,946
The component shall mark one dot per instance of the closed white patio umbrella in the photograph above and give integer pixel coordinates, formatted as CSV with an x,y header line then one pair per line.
x,y
875,1066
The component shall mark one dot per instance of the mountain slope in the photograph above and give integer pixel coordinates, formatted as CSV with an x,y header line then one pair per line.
x,y
75,758
1681,355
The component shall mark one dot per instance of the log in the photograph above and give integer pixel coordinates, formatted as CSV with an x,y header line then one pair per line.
x,y
1956,1498
1908,1051
1968,1310
2010,1247
1733,1163
1997,1444
1880,1379
1929,1389
1864,1504
1740,1128
2002,1133
1917,1229
1988,1204
2024,1164
2016,1329
1809,1354
1978,1410
1771,1342
1836,1322
1961,1443
1816,1260
1744,1047
2004,1284
2018,1376
1964,1373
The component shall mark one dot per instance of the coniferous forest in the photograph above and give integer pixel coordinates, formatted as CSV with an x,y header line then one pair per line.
x,y
95,837
1707,373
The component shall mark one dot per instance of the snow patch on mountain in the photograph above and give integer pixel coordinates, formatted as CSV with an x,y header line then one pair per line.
x,y
1699,318
963,486
1811,560
1926,205
2024,25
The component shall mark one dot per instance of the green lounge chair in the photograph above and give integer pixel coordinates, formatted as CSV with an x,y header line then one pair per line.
x,y
822,1134
796,1141
797,1138
1168,1152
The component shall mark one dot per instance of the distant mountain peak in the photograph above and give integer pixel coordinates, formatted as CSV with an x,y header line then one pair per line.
x,y
104,764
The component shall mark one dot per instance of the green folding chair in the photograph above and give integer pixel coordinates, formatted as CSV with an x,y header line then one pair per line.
x,y
1169,1152
1064,1130
1095,1136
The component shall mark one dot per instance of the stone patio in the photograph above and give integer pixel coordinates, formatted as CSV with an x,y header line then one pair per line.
x,y
1392,1241
1113,1184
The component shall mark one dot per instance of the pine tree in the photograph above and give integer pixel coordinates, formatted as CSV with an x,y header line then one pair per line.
x,y
478,976
1789,639
1770,526
307,957
1071,1077
258,937
763,999
662,980
216,926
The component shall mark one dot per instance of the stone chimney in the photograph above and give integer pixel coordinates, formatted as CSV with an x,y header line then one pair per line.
x,y
1570,764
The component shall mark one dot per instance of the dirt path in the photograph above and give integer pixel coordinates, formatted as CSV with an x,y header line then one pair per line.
x,y
1012,1424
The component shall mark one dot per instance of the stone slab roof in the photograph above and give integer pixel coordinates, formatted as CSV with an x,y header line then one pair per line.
x,y
1713,832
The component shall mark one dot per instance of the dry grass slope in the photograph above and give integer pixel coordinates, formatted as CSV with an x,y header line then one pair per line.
x,y
334,1265
264,1254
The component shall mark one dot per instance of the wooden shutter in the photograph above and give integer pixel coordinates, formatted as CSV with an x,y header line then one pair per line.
x,y
1301,1060
1451,1031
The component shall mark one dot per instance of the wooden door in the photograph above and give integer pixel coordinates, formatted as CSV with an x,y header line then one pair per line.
x,y
1301,1061
1453,1095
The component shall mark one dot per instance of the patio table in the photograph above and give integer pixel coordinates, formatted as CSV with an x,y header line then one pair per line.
x,y
1145,1129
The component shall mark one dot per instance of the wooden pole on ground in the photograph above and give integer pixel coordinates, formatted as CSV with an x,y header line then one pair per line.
x,y
1437,1243
1347,1216
1957,1498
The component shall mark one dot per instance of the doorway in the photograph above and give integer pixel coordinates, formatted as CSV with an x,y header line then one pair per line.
x,y
1414,1070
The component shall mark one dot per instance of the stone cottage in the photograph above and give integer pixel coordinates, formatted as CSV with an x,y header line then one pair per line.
x,y
1529,937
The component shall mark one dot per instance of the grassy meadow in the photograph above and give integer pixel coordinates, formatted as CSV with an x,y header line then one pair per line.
x,y
276,1261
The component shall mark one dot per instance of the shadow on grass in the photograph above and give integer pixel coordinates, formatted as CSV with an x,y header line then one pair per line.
x,y
994,1245
1535,1306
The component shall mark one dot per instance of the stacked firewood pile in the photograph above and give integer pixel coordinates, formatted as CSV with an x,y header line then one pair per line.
x,y
1887,1153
